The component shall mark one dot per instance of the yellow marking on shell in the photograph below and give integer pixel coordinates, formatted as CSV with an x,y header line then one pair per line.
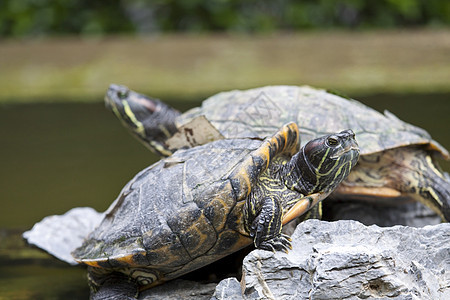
x,y
241,241
284,134
139,126
126,259
242,175
291,147
264,152
221,209
92,263
196,232
434,146
240,222
162,252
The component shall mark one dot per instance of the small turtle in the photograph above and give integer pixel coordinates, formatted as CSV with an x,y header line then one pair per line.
x,y
203,203
397,161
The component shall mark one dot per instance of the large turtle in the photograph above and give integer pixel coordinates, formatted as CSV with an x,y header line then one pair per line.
x,y
206,202
397,159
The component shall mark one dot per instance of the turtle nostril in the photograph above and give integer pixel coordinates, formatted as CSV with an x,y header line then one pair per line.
x,y
350,133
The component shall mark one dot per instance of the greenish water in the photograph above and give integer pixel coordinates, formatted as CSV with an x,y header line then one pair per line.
x,y
58,156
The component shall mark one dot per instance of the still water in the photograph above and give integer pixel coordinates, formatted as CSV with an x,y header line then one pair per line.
x,y
58,156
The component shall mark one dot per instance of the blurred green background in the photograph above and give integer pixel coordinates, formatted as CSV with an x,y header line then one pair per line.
x,y
67,50
20,18
60,148
71,50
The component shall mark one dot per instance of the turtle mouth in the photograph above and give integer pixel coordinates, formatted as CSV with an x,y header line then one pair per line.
x,y
353,146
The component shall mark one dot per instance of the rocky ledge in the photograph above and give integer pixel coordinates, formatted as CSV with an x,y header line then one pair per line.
x,y
330,260
338,260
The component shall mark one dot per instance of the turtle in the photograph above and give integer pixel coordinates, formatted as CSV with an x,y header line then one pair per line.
x,y
398,160
205,202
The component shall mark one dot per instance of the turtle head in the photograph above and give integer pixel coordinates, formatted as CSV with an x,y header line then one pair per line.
x,y
150,120
325,162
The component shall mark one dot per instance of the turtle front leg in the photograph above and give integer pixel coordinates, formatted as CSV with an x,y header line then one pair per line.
x,y
266,227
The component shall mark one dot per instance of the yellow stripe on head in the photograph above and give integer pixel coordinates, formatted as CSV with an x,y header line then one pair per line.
x,y
139,126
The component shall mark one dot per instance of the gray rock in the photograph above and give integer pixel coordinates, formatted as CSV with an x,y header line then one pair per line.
x,y
59,235
329,260
179,289
228,289
348,260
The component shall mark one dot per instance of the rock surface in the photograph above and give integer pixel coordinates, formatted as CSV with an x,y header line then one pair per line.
x,y
59,235
179,289
228,289
329,260
348,260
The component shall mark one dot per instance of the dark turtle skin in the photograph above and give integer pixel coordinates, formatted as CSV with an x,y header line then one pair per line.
x,y
397,161
203,203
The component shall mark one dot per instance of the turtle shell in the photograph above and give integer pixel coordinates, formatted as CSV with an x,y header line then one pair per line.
x,y
185,211
259,112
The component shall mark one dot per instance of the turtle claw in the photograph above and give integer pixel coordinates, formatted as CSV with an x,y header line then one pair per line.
x,y
279,243
259,230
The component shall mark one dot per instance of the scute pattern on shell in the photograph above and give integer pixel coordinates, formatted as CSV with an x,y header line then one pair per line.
x,y
178,197
260,112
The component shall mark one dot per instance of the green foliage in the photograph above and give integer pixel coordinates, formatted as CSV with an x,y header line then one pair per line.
x,y
52,17
49,17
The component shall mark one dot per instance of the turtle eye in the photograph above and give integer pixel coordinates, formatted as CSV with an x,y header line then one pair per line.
x,y
122,94
331,141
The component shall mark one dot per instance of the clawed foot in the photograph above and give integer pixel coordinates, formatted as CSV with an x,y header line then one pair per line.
x,y
266,228
267,224
279,243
